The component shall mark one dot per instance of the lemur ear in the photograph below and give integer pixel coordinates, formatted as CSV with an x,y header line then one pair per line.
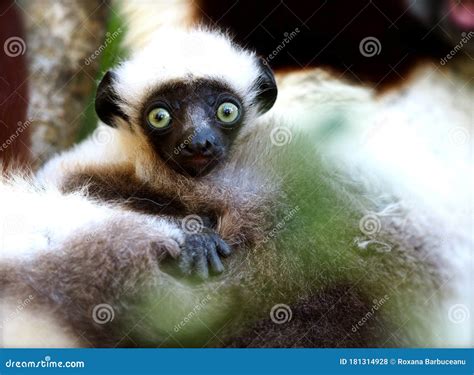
x,y
107,101
266,87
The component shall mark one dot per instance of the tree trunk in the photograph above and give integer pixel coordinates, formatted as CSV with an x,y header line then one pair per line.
x,y
64,41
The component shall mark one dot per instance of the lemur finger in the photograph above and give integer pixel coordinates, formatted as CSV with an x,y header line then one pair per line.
x,y
215,261
200,264
186,260
222,247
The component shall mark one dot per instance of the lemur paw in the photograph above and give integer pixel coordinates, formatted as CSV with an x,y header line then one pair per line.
x,y
171,243
201,253
164,237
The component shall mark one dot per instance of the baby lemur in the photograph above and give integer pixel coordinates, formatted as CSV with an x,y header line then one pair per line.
x,y
174,172
176,110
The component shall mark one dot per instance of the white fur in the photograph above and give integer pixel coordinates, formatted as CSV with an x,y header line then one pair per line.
x,y
414,144
104,146
190,54
36,217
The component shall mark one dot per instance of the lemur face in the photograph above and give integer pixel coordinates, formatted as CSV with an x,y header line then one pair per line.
x,y
192,125
188,93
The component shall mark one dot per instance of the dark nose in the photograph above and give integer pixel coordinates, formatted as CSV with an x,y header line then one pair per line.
x,y
202,143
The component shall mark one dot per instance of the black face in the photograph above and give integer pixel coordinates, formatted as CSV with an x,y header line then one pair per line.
x,y
192,125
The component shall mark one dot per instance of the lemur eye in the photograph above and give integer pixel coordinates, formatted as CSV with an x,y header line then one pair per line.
x,y
228,112
159,118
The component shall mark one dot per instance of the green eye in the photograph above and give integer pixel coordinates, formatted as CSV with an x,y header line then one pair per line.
x,y
159,118
227,112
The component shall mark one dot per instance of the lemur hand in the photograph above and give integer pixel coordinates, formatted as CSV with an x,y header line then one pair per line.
x,y
201,252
